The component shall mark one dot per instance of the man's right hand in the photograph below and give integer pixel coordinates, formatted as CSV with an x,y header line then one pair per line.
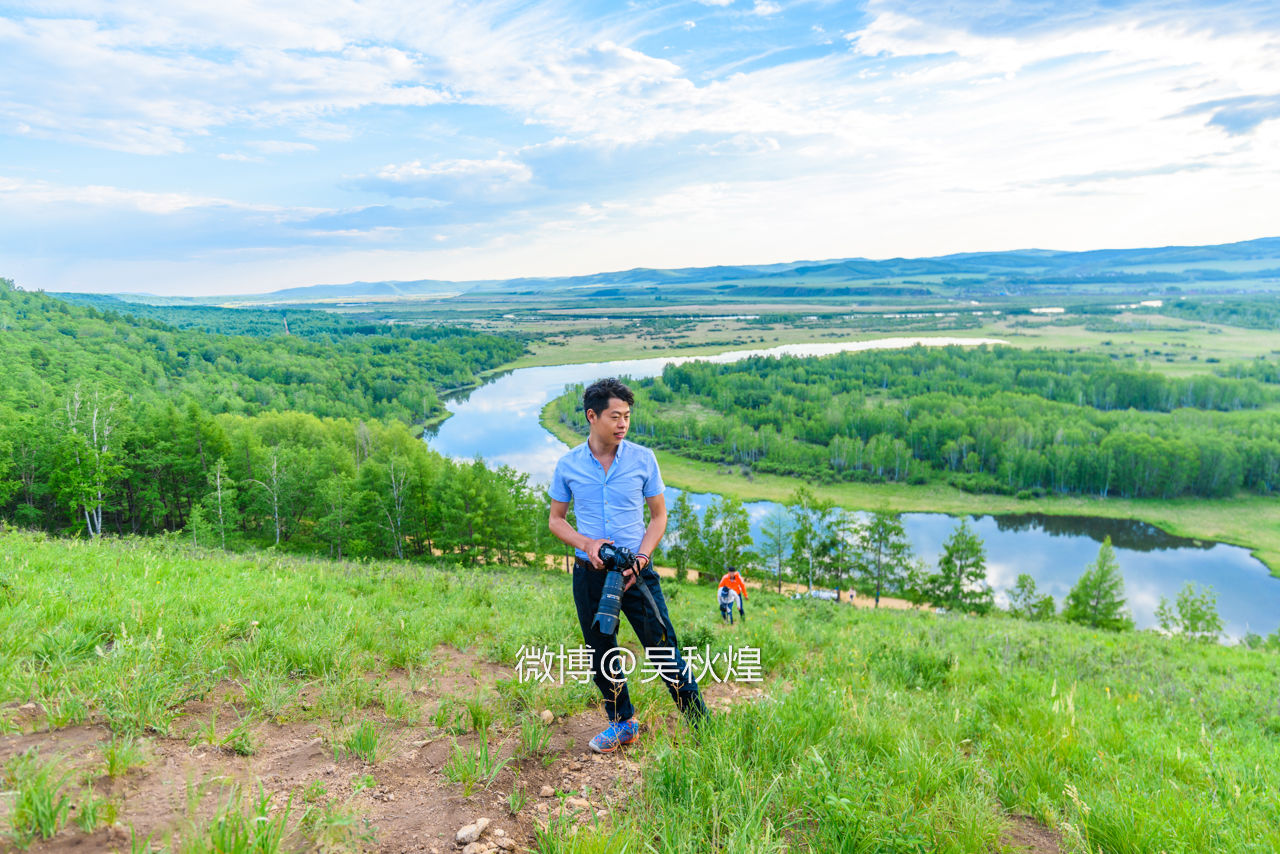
x,y
593,552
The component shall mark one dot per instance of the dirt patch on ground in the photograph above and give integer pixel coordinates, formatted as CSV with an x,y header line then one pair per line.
x,y
1025,835
406,801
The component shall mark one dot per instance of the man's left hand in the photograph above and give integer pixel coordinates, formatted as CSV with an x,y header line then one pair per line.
x,y
632,573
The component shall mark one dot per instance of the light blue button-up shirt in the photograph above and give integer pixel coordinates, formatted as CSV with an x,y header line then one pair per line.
x,y
608,506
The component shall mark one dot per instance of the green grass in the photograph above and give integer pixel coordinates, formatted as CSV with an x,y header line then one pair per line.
x,y
401,707
473,767
479,714
41,797
366,742
93,812
535,737
270,692
877,731
122,754
517,799
242,826
906,732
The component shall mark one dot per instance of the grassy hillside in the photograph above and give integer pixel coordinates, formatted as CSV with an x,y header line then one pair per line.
x,y
156,686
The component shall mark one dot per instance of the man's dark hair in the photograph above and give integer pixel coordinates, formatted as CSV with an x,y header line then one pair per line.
x,y
597,396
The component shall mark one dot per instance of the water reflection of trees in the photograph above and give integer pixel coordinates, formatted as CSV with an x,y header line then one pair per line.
x,y
1129,534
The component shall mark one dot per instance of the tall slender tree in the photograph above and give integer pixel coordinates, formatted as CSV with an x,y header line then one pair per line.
x,y
810,534
776,546
221,501
1097,599
960,582
682,534
726,538
884,554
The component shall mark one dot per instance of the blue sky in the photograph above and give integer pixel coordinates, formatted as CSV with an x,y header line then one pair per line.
x,y
195,147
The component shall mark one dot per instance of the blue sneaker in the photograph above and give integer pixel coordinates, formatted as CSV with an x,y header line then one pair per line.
x,y
618,734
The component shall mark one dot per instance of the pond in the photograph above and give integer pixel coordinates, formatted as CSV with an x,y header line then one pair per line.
x,y
499,423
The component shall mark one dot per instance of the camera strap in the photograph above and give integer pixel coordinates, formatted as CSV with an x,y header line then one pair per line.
x,y
653,606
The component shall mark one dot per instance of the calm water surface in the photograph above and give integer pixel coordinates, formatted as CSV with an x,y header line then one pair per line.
x,y
499,423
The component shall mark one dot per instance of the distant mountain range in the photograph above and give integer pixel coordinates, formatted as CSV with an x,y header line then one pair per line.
x,y
1247,260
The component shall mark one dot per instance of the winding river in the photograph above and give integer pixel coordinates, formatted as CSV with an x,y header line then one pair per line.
x,y
499,423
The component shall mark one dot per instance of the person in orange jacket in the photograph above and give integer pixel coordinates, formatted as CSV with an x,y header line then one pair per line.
x,y
734,582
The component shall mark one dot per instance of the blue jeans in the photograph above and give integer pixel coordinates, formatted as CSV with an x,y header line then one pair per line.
x,y
654,631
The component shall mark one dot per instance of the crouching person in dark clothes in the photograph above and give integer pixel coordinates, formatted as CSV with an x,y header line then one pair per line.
x,y
610,481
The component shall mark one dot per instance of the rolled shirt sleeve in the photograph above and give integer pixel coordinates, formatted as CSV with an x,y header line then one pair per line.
x,y
653,485
559,489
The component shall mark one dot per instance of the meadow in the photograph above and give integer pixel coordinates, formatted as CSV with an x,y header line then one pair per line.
x,y
159,696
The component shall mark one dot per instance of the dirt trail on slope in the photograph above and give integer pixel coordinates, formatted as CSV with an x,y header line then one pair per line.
x,y
405,802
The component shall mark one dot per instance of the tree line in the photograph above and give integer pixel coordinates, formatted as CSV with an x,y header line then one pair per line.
x,y
259,322
995,419
1251,312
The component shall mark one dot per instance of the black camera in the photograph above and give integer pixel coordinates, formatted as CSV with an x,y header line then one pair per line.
x,y
616,559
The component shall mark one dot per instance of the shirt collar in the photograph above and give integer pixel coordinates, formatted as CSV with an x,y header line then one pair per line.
x,y
585,447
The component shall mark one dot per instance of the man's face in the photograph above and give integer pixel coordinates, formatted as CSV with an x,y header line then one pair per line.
x,y
610,426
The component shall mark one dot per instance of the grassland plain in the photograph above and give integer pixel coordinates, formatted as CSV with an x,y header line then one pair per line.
x,y
1248,521
1168,345
201,701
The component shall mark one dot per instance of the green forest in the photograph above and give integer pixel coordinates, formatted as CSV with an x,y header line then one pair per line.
x,y
259,322
998,420
1248,313
111,424
50,346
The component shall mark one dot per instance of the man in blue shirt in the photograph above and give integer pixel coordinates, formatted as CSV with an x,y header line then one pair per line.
x,y
610,481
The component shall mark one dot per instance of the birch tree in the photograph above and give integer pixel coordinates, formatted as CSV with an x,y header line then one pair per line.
x,y
221,501
273,487
90,463
884,553
393,502
776,546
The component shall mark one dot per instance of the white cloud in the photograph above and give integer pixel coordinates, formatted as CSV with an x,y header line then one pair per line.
x,y
278,146
453,179
146,80
150,78
740,144
379,233
16,193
